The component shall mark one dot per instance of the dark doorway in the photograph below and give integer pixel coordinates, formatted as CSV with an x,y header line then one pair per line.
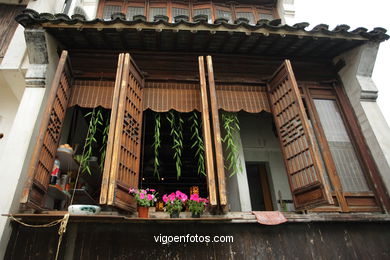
x,y
259,187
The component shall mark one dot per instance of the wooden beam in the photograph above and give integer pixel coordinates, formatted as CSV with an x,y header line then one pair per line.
x,y
207,134
111,133
217,134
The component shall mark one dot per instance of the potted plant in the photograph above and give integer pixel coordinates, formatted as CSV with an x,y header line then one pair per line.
x,y
145,199
174,203
196,205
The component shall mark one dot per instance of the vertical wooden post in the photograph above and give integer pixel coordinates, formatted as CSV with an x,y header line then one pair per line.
x,y
207,134
217,134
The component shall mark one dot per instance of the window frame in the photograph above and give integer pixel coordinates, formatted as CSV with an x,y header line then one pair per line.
x,y
197,6
313,91
181,6
243,9
224,8
191,6
134,4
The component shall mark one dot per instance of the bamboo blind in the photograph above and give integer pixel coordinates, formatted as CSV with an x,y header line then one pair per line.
x,y
87,93
164,96
251,99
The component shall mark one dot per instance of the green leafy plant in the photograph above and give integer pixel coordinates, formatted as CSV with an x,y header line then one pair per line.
x,y
175,201
197,142
103,149
176,123
196,204
144,197
90,140
156,143
232,128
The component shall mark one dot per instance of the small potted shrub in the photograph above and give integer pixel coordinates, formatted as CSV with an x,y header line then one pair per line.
x,y
174,203
196,205
145,199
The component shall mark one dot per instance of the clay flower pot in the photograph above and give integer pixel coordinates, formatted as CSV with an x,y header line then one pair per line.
x,y
143,212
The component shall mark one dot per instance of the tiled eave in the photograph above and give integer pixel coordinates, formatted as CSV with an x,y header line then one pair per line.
x,y
267,38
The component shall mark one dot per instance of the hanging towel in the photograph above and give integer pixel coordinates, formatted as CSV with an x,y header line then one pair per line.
x,y
269,217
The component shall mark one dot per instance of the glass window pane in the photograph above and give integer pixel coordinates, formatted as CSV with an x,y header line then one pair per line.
x,y
246,15
156,11
109,10
132,11
204,11
179,11
343,153
267,16
224,14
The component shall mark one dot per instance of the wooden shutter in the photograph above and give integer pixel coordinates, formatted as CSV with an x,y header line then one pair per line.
x,y
217,134
207,134
44,153
122,163
302,161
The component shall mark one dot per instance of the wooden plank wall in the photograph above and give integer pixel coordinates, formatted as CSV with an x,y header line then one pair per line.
x,y
316,240
184,66
7,25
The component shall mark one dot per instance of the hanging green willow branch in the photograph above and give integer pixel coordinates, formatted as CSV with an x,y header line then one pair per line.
x,y
156,144
197,142
176,123
90,140
232,129
103,149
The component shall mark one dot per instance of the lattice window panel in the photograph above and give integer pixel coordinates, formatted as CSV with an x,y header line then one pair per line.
x,y
130,140
179,11
267,16
132,11
153,11
52,135
302,160
247,15
109,10
224,14
344,156
204,11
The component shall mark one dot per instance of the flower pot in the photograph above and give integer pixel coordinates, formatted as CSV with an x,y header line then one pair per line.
x,y
143,212
195,215
175,214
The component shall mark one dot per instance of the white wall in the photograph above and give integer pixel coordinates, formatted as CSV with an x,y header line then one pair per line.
x,y
8,107
261,145
286,10
26,105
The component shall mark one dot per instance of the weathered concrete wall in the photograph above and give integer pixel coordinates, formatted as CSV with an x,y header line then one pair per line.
x,y
362,93
316,240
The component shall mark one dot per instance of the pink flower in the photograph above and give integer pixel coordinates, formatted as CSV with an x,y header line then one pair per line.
x,y
165,198
152,190
132,190
183,197
172,196
150,197
195,197
143,191
141,195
